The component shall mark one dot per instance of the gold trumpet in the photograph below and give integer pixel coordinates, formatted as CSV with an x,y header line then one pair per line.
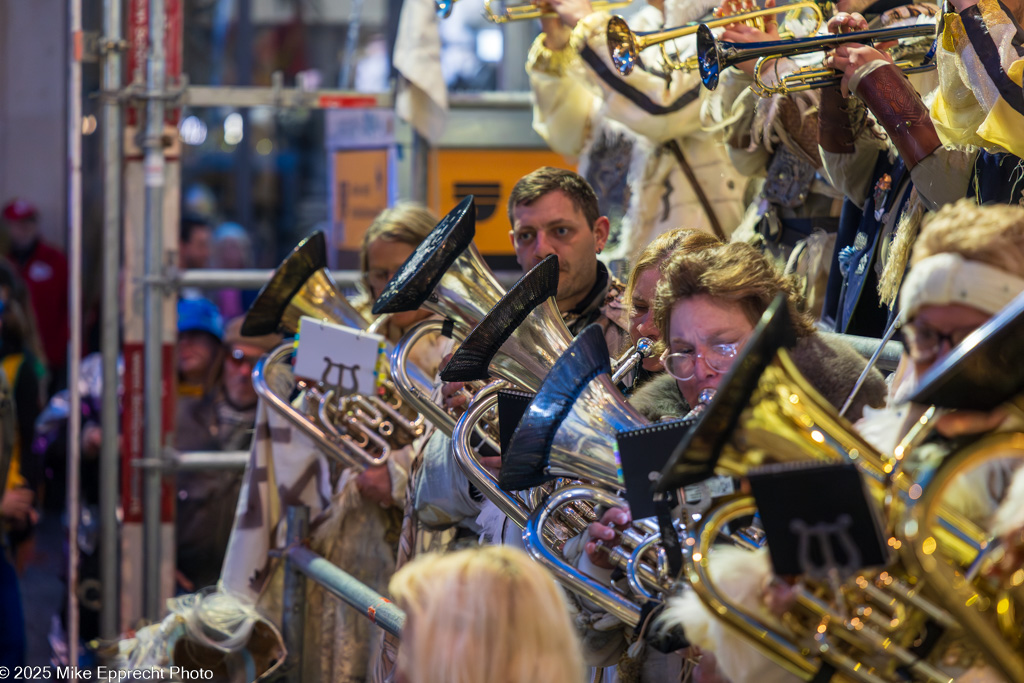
x,y
714,56
526,12
625,45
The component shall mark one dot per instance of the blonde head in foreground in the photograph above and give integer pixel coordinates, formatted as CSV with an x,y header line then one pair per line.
x,y
484,614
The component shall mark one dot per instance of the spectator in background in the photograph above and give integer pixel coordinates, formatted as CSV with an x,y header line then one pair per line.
x,y
24,372
194,249
13,507
45,272
220,419
232,250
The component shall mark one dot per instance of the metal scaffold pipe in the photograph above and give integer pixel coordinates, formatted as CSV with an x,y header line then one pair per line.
x,y
109,335
153,173
74,189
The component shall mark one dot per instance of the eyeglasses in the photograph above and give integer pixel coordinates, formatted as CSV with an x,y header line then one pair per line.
x,y
923,342
718,357
238,357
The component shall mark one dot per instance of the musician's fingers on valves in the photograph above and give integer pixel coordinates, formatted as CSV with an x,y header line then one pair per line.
x,y
604,535
850,57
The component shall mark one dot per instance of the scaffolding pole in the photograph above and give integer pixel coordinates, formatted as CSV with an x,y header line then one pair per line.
x,y
109,334
74,123
154,174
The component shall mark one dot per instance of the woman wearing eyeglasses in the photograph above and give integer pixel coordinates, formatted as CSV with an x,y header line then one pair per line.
x,y
643,284
387,243
706,307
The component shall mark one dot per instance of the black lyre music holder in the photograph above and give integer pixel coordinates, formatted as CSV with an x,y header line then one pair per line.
x,y
642,454
695,457
818,518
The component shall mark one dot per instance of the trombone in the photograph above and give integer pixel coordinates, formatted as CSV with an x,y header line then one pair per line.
x,y
625,45
714,55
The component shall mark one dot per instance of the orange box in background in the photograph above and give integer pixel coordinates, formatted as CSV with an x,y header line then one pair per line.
x,y
488,175
360,193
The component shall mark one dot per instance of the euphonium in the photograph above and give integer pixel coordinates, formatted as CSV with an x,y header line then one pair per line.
x,y
357,430
568,431
625,45
979,374
446,275
766,412
524,335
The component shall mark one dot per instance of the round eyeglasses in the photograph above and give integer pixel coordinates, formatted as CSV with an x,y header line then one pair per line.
x,y
683,365
924,343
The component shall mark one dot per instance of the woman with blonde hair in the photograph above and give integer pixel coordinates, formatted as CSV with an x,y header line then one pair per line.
x,y
484,615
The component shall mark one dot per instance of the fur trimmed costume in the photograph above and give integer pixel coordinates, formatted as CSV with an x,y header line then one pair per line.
x,y
829,364
619,127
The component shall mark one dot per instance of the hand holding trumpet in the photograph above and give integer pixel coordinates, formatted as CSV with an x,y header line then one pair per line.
x,y
849,57
746,33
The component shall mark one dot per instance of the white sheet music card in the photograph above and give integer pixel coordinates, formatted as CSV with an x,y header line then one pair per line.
x,y
341,358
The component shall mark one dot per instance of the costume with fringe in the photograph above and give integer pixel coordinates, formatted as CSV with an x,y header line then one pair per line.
x,y
794,211
619,127
980,102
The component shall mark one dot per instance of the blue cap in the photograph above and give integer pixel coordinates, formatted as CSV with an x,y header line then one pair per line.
x,y
200,315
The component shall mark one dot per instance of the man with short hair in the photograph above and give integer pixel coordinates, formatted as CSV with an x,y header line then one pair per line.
x,y
555,211
552,211
45,271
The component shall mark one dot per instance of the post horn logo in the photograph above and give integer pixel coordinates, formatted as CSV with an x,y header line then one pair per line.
x,y
486,194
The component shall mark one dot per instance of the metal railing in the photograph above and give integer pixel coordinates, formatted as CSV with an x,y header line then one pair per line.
x,y
302,563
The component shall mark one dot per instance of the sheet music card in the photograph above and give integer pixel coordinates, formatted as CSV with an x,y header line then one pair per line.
x,y
342,358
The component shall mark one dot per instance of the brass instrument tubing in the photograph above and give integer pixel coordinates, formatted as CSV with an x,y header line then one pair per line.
x,y
631,359
510,505
329,445
587,587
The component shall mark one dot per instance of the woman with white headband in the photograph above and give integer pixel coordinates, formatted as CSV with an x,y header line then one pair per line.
x,y
968,263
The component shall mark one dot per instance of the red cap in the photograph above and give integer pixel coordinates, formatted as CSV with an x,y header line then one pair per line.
x,y
19,210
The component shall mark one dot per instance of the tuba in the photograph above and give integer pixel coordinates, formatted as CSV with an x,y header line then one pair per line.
x,y
979,374
868,626
356,430
568,432
518,341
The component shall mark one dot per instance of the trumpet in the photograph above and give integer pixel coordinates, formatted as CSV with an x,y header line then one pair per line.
x,y
713,55
526,12
625,45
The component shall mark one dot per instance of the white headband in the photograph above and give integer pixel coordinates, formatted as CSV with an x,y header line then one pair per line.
x,y
951,279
